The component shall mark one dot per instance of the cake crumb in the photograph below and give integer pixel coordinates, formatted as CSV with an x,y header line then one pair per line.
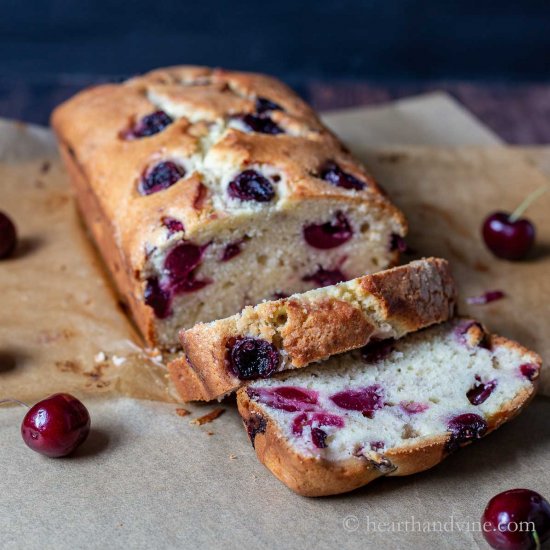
x,y
182,412
232,457
210,433
100,357
212,415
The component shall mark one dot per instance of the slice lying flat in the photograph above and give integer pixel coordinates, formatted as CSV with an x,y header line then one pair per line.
x,y
293,332
394,408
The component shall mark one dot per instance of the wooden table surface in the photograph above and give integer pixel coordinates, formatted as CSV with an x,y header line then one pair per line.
x,y
519,113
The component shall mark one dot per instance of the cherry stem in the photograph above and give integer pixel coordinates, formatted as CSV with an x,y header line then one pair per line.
x,y
536,538
517,213
10,400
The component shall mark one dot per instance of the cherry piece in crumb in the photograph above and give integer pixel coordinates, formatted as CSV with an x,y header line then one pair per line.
x,y
56,426
8,236
518,519
509,236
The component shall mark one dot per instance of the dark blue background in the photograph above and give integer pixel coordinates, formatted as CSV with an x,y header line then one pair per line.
x,y
352,39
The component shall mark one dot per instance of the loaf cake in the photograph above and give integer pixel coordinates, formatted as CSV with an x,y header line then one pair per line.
x,y
218,357
393,408
207,190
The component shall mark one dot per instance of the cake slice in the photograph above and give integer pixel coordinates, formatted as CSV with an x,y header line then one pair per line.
x,y
393,409
293,332
206,190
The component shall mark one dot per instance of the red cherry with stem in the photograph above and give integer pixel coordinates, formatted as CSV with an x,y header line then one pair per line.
x,y
8,236
509,236
56,426
518,519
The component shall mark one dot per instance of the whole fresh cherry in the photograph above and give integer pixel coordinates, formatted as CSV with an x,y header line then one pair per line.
x,y
509,236
518,519
56,426
8,236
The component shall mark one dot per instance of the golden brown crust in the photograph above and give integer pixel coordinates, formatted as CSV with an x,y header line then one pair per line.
x,y
315,325
106,168
313,477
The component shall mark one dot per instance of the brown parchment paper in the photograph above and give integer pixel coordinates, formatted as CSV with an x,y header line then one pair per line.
x,y
146,477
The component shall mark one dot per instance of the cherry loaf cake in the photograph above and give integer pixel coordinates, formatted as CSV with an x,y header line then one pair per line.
x,y
207,190
289,333
391,409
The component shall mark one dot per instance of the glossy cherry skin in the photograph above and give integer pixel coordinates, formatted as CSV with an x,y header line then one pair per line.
x,y
510,240
502,518
8,236
56,426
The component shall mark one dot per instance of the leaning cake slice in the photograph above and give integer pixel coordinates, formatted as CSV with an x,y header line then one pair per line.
x,y
395,408
293,332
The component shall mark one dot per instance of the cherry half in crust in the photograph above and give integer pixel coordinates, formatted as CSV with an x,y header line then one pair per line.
x,y
264,105
261,124
8,236
173,225
509,519
529,370
325,277
56,426
329,234
286,398
465,428
149,125
366,400
332,173
162,176
480,392
251,358
509,236
251,186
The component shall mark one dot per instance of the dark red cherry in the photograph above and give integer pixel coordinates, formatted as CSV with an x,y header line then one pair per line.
x,y
158,298
251,358
332,173
377,350
518,519
465,428
264,105
366,400
319,438
8,236
179,265
529,370
480,392
316,420
507,238
251,186
286,398
162,176
397,242
231,250
486,297
330,234
261,124
325,277
173,225
182,259
56,426
148,126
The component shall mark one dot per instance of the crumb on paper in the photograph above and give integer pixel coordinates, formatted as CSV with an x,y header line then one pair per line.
x,y
45,167
212,415
100,357
180,411
117,361
210,433
232,457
